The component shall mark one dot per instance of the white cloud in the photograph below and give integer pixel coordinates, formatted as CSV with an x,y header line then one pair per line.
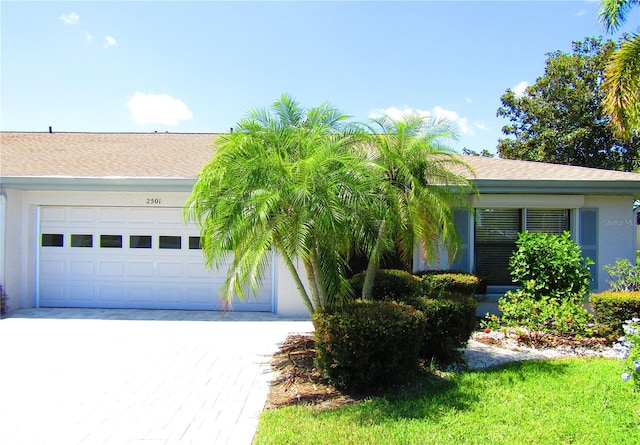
x,y
398,113
89,37
468,100
157,109
110,41
581,13
70,19
518,90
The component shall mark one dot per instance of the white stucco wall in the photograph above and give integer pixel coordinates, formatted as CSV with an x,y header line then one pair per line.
x,y
617,232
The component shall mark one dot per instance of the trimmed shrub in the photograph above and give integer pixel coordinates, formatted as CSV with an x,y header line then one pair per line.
x,y
370,343
436,284
450,323
389,285
548,265
612,309
554,278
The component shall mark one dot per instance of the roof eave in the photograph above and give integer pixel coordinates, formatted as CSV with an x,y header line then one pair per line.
x,y
601,187
113,183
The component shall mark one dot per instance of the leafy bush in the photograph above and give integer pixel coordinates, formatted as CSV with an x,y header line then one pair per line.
x,y
450,323
437,283
625,276
612,309
549,265
553,315
370,343
389,285
554,278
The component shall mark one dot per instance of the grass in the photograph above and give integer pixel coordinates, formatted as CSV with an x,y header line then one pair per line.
x,y
564,401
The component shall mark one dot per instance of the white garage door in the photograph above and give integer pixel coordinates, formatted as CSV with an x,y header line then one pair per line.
x,y
129,257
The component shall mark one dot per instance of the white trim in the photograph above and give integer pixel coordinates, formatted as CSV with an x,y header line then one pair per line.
x,y
37,257
529,201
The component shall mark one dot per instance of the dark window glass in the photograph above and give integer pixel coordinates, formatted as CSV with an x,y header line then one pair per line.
x,y
81,240
111,241
140,242
496,234
194,243
52,240
170,242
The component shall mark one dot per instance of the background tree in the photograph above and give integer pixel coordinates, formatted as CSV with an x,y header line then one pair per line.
x,y
288,179
561,118
419,189
622,76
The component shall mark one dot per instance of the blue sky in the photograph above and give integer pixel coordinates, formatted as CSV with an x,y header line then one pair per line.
x,y
200,66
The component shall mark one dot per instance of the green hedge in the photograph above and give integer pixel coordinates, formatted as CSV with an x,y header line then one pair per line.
x,y
389,285
450,323
371,343
612,309
435,284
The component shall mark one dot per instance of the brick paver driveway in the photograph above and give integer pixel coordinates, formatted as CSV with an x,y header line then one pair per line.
x,y
135,377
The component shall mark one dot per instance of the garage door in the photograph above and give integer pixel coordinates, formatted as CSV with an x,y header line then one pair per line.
x,y
129,257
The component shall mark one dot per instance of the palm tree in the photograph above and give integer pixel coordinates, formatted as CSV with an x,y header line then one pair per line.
x,y
622,76
419,188
287,180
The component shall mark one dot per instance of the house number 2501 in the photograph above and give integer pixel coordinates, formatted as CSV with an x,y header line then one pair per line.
x,y
152,201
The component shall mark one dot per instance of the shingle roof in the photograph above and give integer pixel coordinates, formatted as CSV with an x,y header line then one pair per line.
x,y
515,170
99,155
182,155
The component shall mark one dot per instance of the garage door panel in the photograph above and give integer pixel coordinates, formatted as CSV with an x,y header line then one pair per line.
x,y
82,270
111,293
81,293
81,273
111,215
111,268
82,215
141,269
52,268
168,269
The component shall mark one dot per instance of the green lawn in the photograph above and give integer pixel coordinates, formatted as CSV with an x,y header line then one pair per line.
x,y
568,401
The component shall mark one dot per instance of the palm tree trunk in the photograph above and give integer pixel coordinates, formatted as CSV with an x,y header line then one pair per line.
x,y
296,278
321,288
299,285
374,263
313,283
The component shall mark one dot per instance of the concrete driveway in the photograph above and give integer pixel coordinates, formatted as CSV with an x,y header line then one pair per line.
x,y
77,376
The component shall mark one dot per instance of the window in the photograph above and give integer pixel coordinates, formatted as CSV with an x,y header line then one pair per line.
x,y
111,241
140,241
496,235
170,242
81,240
195,243
52,240
497,231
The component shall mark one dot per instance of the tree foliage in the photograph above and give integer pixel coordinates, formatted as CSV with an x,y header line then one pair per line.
x,y
419,188
304,184
622,76
561,117
289,180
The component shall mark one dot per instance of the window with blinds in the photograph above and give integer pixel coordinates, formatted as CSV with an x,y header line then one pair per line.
x,y
496,233
547,221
